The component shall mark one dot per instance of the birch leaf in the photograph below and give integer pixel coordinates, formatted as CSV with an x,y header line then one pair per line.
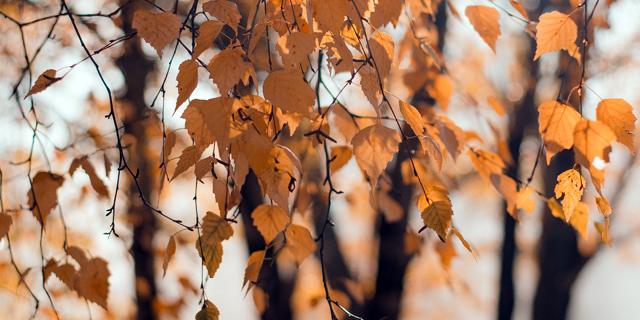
x,y
572,185
44,81
557,122
485,21
299,242
157,29
618,115
270,221
187,81
44,187
554,32
374,147
168,254
224,10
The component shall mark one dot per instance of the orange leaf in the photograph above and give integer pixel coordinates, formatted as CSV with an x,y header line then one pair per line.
x,y
207,120
580,219
441,90
382,49
518,6
571,184
91,281
374,147
5,224
299,242
157,29
432,147
507,188
188,158
555,208
45,80
370,85
485,21
209,312
437,216
618,115
592,140
340,156
227,68
215,229
187,81
413,118
203,166
486,163
221,191
464,242
252,271
603,206
209,30
295,48
270,221
44,187
603,231
330,14
435,194
557,122
525,201
288,91
386,11
554,32
211,254
451,135
168,254
224,10
96,183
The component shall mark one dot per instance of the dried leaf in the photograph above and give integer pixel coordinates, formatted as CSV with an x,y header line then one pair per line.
x,y
554,32
571,184
451,135
412,117
209,30
252,271
188,158
78,254
187,81
227,68
592,140
66,273
107,164
370,85
580,219
386,11
299,242
168,254
92,281
295,48
374,147
437,216
211,254
96,183
215,229
44,81
203,166
464,242
432,147
382,49
602,230
603,206
340,156
557,122
288,91
330,14
224,10
486,163
525,201
508,189
485,21
44,187
270,221
209,312
5,224
618,115
157,29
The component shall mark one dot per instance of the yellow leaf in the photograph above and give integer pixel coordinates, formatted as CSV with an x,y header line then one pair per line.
x,y
370,85
330,14
188,158
43,186
45,80
603,206
228,67
508,189
435,194
338,54
340,155
209,30
382,49
571,184
270,221
437,216
187,81
485,21
374,147
618,115
288,91
168,254
295,48
215,229
386,11
525,201
211,255
556,209
486,163
209,312
441,90
603,231
464,242
5,224
592,140
451,135
580,219
157,29
554,32
252,271
96,183
413,118
224,10
299,242
557,122
91,281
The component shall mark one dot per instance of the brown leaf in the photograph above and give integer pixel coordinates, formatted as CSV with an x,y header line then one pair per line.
x,y
44,81
277,177
44,187
221,191
209,30
224,10
215,229
168,254
412,117
382,50
288,91
340,156
188,158
572,185
295,48
92,281
486,163
437,216
203,166
96,183
211,254
618,115
299,242
603,206
187,81
66,273
78,254
386,11
209,312
370,85
157,29
554,32
592,140
330,14
557,122
485,21
107,164
227,68
5,224
451,135
252,271
374,147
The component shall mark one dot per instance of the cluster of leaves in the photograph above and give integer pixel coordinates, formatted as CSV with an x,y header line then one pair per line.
x,y
236,134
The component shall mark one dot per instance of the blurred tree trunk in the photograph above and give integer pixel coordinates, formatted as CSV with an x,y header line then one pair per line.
x,y
136,68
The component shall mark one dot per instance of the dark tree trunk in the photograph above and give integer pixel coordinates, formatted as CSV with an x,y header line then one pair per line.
x,y
135,68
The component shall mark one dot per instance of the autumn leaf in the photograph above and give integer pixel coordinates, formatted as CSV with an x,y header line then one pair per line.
x,y
441,90
556,209
464,242
188,158
224,10
370,85
270,221
485,21
77,254
288,91
207,120
592,140
203,166
252,271
43,187
571,184
434,194
187,81
208,30
5,224
386,11
554,32
580,219
382,49
295,48
44,81
91,281
495,104
486,163
437,216
299,242
618,115
603,206
211,254
340,156
215,229
209,312
525,202
330,14
374,147
603,231
518,6
557,122
432,147
168,254
227,68
107,164
157,29
508,189
451,135
413,118
66,273
96,183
